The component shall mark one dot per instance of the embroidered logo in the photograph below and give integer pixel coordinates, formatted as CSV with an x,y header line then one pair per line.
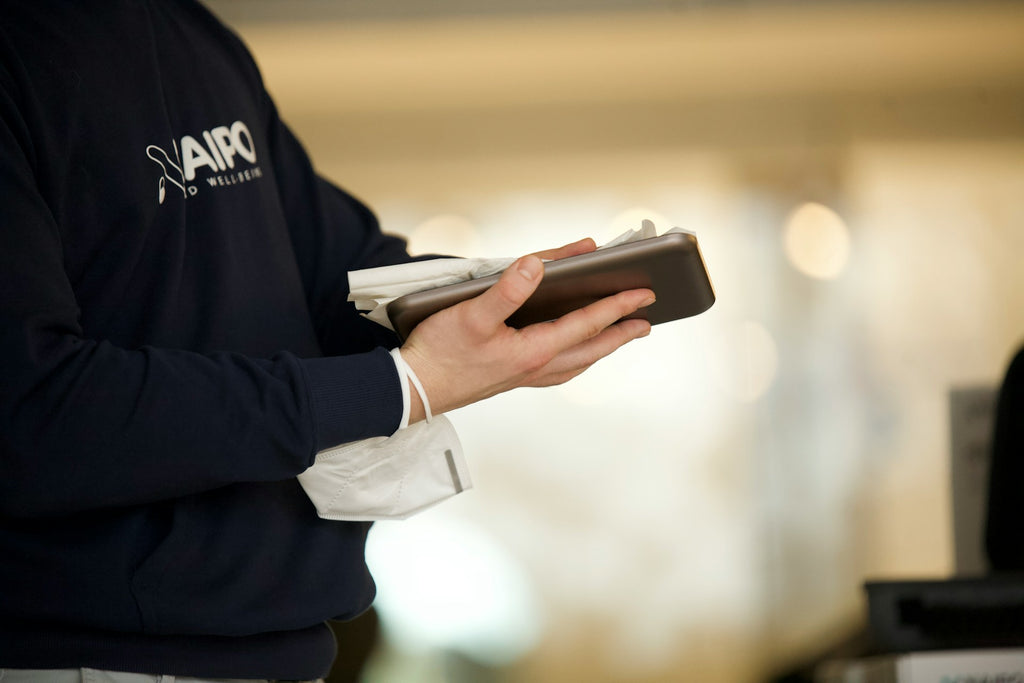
x,y
226,156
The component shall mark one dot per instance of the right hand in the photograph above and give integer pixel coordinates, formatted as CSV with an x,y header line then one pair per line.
x,y
467,353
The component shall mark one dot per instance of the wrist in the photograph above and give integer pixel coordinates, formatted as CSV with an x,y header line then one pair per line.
x,y
417,403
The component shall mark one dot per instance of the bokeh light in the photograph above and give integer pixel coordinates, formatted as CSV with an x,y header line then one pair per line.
x,y
817,241
445,584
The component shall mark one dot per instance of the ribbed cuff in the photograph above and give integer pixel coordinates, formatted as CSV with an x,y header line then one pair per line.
x,y
354,397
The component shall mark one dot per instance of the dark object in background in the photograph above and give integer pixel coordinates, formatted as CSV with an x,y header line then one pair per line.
x,y
977,612
958,613
1004,533
917,616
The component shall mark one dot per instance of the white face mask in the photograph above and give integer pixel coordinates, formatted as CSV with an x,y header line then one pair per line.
x,y
388,477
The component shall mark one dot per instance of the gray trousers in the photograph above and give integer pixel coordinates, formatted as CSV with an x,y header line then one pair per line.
x,y
96,676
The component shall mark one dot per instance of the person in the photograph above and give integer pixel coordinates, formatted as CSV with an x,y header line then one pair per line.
x,y
175,348
1003,546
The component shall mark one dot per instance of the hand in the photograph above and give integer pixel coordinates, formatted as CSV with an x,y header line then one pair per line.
x,y
583,246
466,353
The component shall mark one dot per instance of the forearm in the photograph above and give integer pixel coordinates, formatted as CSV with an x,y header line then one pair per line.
x,y
87,425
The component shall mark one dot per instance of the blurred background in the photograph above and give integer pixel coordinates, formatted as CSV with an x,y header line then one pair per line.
x,y
706,504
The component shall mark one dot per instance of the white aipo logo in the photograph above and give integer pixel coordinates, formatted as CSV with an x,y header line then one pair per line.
x,y
223,144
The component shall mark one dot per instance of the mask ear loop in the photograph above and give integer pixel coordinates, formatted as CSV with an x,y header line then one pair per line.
x,y
408,372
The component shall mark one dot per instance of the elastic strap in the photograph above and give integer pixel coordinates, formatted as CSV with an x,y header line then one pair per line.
x,y
400,363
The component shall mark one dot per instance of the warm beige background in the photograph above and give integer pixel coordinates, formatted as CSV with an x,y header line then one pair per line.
x,y
705,505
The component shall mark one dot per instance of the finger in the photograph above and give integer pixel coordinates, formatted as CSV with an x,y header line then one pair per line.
x,y
504,297
582,324
582,246
577,359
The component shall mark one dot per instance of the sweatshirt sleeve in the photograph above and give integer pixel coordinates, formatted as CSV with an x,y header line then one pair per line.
x,y
85,424
332,233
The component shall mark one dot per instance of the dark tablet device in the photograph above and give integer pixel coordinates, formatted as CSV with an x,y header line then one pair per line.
x,y
671,265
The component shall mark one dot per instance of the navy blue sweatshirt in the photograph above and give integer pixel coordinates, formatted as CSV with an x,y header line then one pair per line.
x,y
175,346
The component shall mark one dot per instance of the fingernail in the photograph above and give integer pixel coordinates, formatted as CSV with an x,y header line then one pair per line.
x,y
648,301
530,267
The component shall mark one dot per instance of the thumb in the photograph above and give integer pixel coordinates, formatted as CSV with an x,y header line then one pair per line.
x,y
510,292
